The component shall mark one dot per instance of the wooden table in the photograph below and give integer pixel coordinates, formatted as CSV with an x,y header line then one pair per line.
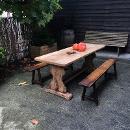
x,y
59,60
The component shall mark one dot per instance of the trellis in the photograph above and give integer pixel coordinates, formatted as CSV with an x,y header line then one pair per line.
x,y
14,37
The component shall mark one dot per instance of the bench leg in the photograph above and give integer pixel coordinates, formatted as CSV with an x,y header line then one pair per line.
x,y
39,74
106,75
39,77
83,94
118,51
33,76
115,71
95,95
72,67
89,63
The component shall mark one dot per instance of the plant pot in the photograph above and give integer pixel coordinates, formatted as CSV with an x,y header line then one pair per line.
x,y
42,50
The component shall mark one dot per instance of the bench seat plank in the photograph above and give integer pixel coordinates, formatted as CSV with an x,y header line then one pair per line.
x,y
96,74
107,64
38,66
91,79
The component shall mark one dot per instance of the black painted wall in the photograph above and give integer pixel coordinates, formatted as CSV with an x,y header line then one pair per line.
x,y
82,15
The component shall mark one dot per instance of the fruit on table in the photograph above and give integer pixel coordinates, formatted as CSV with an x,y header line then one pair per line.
x,y
79,47
82,44
75,46
82,48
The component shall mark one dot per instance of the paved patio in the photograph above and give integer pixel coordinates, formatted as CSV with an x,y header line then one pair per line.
x,y
20,104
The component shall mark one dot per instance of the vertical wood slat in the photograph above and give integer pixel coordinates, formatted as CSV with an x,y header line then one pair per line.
x,y
96,15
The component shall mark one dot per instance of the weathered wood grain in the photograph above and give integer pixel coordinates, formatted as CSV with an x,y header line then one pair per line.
x,y
66,95
59,60
96,74
62,58
117,39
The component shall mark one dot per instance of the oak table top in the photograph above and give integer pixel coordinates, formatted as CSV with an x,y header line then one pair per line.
x,y
67,56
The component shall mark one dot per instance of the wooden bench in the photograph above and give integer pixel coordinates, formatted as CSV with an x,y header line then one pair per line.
x,y
91,79
37,68
115,39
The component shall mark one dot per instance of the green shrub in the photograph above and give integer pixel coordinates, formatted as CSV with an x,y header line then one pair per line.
x,y
38,12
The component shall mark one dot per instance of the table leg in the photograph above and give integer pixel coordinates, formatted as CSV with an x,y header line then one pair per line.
x,y
89,62
57,86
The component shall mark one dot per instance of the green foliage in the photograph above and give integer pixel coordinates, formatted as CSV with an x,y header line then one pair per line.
x,y
37,12
2,55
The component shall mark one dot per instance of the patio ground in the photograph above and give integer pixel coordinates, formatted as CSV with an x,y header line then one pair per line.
x,y
20,104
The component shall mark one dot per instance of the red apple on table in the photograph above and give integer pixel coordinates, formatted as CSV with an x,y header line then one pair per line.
x,y
75,46
82,46
79,47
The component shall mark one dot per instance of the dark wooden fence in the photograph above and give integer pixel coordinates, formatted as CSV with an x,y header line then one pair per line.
x,y
103,15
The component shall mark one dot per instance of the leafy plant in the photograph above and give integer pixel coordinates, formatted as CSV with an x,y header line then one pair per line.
x,y
38,12
2,55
